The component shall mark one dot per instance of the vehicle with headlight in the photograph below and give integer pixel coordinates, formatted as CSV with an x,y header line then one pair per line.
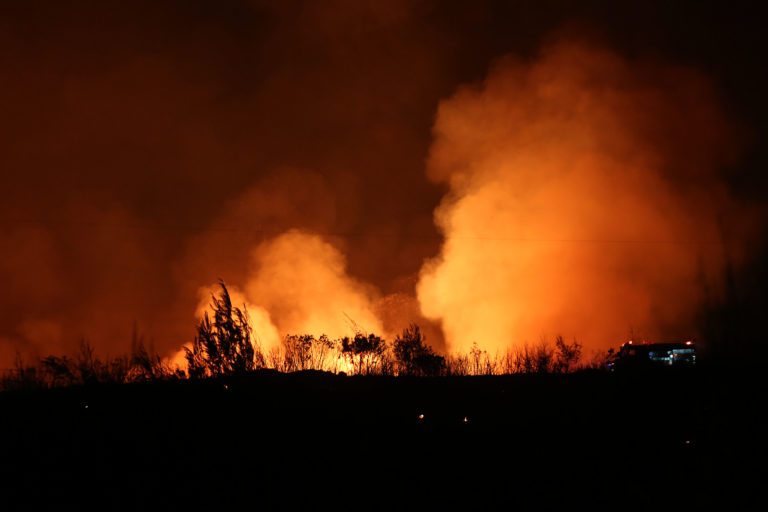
x,y
632,353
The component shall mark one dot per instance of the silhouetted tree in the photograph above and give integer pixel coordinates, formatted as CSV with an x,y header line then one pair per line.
x,y
413,357
298,351
475,359
543,357
146,364
566,355
365,352
305,352
85,368
59,370
22,377
223,345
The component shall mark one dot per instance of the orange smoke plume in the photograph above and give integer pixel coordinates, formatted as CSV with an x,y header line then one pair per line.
x,y
298,284
584,201
302,282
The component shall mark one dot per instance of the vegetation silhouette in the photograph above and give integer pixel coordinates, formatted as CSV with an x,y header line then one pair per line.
x,y
413,357
226,345
219,350
142,364
223,345
367,354
566,355
303,352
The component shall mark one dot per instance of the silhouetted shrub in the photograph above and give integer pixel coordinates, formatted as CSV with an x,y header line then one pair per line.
x,y
223,345
526,358
413,357
147,365
305,352
457,365
85,368
22,377
476,362
298,352
566,356
534,358
367,354
481,363
59,370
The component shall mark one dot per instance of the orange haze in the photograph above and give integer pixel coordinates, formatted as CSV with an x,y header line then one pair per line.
x,y
323,160
584,201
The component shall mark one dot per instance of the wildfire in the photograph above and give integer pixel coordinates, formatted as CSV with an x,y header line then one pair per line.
x,y
564,216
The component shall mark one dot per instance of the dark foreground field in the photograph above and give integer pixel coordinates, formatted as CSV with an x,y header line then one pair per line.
x,y
310,440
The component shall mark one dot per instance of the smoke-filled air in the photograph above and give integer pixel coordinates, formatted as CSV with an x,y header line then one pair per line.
x,y
585,201
350,167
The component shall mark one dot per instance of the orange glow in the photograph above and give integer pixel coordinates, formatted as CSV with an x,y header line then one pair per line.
x,y
572,210
298,285
381,163
575,208
302,282
576,205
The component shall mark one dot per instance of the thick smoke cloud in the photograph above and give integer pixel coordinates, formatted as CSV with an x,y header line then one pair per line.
x,y
302,281
585,200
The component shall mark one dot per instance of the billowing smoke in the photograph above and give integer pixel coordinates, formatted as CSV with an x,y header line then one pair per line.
x,y
302,281
585,201
297,283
